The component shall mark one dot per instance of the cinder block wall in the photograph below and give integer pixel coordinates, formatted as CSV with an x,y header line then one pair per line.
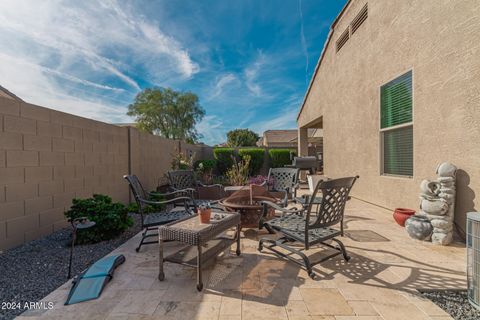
x,y
48,157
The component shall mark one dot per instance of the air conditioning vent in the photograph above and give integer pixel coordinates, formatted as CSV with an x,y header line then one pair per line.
x,y
473,258
359,19
342,39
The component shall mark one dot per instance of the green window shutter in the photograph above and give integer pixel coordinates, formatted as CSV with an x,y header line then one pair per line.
x,y
398,151
396,101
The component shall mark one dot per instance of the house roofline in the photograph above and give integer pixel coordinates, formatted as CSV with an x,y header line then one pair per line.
x,y
11,94
322,54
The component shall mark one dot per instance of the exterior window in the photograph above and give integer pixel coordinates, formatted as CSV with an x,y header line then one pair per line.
x,y
396,126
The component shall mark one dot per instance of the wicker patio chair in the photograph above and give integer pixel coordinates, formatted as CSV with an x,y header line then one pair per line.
x,y
186,179
168,212
297,226
283,180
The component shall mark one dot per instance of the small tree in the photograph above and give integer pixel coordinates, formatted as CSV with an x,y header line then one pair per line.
x,y
167,113
242,138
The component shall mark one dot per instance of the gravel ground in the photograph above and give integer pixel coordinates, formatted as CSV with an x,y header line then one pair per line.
x,y
455,303
32,271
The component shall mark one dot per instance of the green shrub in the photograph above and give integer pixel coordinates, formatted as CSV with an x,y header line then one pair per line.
x,y
224,159
257,156
111,218
279,157
204,165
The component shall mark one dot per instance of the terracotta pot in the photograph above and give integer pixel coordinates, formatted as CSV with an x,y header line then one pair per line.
x,y
402,214
205,215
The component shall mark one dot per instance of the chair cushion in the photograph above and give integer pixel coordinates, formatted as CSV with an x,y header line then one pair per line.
x,y
293,226
159,218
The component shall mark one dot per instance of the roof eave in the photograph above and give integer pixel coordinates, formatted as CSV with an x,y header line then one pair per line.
x,y
322,54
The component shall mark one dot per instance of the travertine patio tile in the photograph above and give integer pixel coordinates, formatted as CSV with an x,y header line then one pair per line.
x,y
231,304
229,317
398,310
258,310
358,318
429,307
362,308
379,282
369,292
296,309
186,310
139,302
321,301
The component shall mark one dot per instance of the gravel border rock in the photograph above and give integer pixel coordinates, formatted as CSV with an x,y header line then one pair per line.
x,y
454,303
33,270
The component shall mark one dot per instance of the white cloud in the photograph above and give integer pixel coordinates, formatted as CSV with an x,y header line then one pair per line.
x,y
212,129
303,41
251,74
220,83
84,55
285,120
38,88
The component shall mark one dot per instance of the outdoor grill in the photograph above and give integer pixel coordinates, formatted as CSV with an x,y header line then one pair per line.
x,y
305,163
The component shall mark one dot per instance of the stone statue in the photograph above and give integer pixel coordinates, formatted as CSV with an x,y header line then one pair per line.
x,y
437,203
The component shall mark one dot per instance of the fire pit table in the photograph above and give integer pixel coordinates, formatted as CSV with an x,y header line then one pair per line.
x,y
247,202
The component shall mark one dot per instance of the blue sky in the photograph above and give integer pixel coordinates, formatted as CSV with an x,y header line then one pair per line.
x,y
248,61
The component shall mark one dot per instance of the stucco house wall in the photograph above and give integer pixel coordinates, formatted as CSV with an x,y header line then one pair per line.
x,y
439,41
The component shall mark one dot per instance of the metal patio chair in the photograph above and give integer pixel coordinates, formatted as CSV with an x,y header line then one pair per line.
x,y
168,212
296,224
283,180
186,179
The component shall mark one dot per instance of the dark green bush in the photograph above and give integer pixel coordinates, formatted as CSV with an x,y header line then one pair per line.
x,y
279,157
111,218
224,159
206,164
257,156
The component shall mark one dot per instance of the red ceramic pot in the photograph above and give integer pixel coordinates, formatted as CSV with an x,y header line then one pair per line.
x,y
402,214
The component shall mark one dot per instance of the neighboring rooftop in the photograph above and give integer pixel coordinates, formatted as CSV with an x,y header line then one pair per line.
x,y
287,138
7,94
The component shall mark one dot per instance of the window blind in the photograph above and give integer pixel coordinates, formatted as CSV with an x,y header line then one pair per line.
x,y
396,101
398,151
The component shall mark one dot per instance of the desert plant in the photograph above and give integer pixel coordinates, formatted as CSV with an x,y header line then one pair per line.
x,y
111,218
180,161
238,173
204,170
279,157
257,155
224,159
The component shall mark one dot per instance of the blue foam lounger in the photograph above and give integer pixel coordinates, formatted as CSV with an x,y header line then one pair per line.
x,y
89,284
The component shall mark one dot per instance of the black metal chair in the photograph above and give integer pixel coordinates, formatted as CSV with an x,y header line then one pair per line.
x,y
186,179
295,224
167,213
283,180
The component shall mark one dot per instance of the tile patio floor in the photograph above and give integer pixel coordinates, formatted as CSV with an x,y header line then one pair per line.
x,y
379,282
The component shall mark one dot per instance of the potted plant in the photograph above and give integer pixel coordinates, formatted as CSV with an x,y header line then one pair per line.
x,y
204,212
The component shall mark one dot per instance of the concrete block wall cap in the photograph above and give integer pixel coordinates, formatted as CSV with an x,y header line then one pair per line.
x,y
473,216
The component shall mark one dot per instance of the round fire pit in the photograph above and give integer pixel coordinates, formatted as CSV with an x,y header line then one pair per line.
x,y
247,202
